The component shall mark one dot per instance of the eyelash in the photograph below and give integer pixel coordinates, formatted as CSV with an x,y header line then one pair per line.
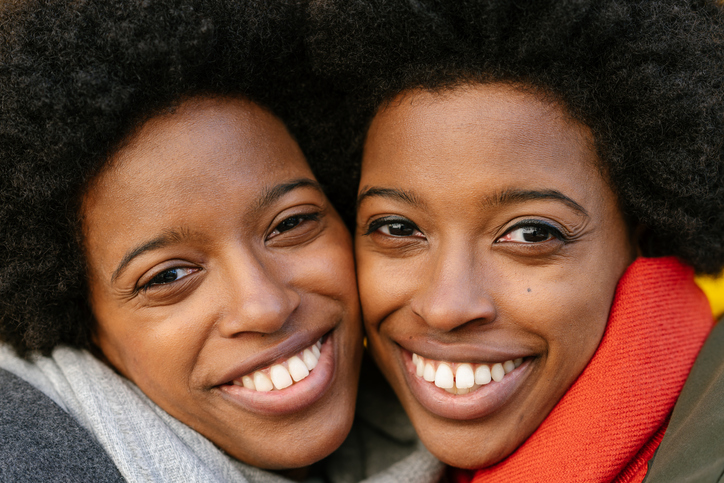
x,y
300,218
391,220
536,224
151,282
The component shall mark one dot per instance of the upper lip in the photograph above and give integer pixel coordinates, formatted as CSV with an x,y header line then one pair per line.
x,y
477,352
295,343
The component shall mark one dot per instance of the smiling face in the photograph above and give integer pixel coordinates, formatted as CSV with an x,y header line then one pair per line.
x,y
488,251
222,282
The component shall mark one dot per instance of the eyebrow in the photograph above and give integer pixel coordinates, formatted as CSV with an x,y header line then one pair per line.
x,y
513,196
507,197
169,237
272,194
407,197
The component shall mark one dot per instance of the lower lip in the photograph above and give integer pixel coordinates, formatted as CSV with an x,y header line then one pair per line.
x,y
297,397
480,403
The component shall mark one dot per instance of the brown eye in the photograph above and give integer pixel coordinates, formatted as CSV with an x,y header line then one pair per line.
x,y
397,229
292,222
170,275
394,227
531,233
288,224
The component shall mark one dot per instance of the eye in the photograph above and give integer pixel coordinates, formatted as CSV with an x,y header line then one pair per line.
x,y
531,232
169,276
292,222
395,227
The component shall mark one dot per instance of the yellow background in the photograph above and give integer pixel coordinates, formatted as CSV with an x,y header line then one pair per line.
x,y
714,289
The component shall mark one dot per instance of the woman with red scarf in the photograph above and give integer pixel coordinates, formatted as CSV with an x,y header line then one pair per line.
x,y
538,182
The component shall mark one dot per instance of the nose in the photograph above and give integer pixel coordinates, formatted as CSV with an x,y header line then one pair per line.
x,y
261,300
453,294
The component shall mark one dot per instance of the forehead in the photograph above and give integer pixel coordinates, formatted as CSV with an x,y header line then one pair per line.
x,y
495,131
204,147
205,137
206,165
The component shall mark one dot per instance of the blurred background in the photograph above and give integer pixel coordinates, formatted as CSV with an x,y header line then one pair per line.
x,y
714,289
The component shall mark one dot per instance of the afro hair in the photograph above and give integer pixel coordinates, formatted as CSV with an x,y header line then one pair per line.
x,y
76,77
645,75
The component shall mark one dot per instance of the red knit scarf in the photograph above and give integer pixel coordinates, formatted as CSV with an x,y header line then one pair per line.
x,y
610,422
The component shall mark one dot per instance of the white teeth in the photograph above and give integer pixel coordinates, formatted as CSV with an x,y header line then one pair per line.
x,y
497,372
284,373
248,383
262,383
482,374
444,376
429,373
309,359
297,369
280,377
464,377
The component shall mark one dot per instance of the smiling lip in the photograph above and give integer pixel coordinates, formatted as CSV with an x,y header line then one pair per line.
x,y
477,404
294,398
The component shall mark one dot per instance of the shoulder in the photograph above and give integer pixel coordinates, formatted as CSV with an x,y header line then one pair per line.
x,y
693,449
41,442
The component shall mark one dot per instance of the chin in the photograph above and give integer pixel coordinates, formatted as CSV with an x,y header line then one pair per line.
x,y
463,445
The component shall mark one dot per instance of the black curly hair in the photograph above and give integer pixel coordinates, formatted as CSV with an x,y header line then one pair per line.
x,y
76,77
647,76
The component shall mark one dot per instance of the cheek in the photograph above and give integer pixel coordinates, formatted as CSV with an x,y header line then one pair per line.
x,y
574,332
154,351
374,297
328,271
326,267
568,310
384,285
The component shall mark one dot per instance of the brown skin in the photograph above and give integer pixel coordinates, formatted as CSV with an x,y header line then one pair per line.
x,y
243,277
450,272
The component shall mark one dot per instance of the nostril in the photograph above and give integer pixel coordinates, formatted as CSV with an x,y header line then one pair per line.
x,y
454,313
262,312
452,296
